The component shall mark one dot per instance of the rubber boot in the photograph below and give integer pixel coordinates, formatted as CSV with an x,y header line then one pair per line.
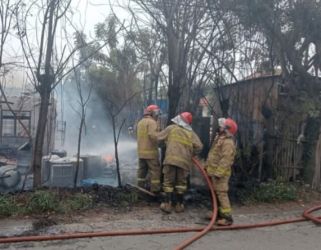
x,y
179,207
166,205
159,196
155,189
225,220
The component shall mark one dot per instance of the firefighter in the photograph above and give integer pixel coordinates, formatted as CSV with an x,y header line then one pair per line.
x,y
219,167
181,144
148,149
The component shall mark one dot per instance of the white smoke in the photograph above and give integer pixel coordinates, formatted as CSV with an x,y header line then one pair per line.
x,y
97,137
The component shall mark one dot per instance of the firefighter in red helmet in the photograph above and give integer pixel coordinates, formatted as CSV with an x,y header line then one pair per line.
x,y
148,149
181,144
219,164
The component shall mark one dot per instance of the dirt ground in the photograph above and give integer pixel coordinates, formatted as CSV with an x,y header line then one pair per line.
x,y
149,211
146,215
140,216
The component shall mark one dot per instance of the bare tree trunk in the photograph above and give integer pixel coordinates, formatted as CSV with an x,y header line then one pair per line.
x,y
40,136
317,166
261,152
116,151
150,91
173,100
173,74
82,122
144,89
156,88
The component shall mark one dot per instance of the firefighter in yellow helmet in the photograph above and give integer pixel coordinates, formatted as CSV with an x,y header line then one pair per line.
x,y
148,149
218,166
181,144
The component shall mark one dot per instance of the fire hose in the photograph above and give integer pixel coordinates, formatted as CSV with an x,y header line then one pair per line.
x,y
307,215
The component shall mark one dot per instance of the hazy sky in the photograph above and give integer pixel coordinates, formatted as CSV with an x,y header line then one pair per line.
x,y
90,12
85,15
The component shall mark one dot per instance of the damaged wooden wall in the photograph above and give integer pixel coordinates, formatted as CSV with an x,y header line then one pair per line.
x,y
266,148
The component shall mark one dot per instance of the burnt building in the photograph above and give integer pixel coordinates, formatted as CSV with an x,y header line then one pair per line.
x,y
18,125
268,146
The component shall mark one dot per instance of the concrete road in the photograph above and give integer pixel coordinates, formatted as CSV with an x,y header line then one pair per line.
x,y
300,236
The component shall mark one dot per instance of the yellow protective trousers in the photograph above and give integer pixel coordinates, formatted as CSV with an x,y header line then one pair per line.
x,y
221,190
175,178
152,167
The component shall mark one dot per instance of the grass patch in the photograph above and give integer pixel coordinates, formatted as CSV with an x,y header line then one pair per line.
x,y
78,201
43,202
65,201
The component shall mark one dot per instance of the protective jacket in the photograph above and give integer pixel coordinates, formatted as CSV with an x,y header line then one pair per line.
x,y
146,138
221,156
181,145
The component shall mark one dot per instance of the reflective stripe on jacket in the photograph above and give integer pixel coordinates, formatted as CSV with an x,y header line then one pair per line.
x,y
181,145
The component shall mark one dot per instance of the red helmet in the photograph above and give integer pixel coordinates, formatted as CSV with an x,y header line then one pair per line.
x,y
230,125
187,117
150,109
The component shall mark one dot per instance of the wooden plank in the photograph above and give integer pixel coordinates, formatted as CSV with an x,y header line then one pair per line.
x,y
142,190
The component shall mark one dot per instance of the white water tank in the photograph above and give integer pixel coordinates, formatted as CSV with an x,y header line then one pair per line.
x,y
60,172
45,167
9,178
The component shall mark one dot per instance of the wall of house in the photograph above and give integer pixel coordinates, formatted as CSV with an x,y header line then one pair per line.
x,y
245,101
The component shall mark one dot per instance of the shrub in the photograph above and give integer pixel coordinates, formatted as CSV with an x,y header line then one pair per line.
x,y
7,206
127,197
272,191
